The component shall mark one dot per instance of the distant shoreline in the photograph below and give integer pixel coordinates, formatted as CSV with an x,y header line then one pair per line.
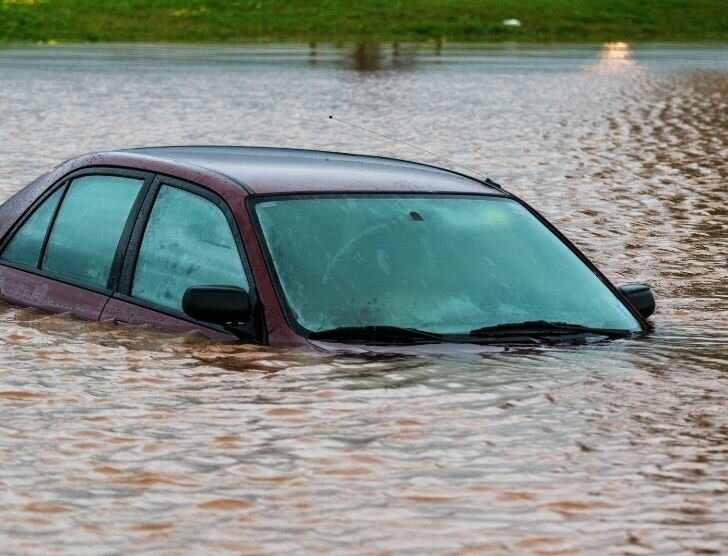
x,y
334,21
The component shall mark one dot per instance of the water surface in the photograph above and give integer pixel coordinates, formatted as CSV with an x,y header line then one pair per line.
x,y
115,441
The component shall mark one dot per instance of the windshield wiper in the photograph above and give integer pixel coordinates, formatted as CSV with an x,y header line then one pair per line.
x,y
544,328
387,334
396,335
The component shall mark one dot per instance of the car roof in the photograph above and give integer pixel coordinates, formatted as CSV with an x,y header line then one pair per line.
x,y
266,170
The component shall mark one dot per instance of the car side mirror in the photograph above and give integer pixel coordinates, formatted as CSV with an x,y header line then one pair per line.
x,y
221,305
641,298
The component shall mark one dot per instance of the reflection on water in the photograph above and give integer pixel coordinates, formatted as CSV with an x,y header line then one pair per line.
x,y
372,57
116,440
615,57
364,57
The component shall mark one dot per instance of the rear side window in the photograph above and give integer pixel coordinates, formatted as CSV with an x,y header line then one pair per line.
x,y
84,238
188,242
27,242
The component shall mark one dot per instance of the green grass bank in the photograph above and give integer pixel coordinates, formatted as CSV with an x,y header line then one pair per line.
x,y
221,21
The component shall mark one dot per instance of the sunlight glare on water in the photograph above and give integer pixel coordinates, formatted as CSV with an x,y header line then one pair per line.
x,y
118,440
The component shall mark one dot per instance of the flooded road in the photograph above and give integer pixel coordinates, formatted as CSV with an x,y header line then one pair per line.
x,y
116,441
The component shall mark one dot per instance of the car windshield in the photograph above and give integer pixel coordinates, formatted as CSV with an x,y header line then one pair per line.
x,y
444,264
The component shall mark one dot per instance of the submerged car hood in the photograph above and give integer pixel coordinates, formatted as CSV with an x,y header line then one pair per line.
x,y
413,349
519,343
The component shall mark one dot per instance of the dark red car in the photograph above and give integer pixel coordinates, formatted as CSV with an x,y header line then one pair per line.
x,y
293,247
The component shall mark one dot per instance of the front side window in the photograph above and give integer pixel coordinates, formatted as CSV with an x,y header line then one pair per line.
x,y
446,264
87,229
27,242
188,242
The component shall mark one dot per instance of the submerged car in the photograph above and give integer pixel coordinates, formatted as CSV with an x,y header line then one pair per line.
x,y
292,247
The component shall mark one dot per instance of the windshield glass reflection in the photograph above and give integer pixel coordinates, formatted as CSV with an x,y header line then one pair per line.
x,y
440,264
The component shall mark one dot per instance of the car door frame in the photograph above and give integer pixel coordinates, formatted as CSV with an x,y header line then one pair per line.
x,y
255,332
53,292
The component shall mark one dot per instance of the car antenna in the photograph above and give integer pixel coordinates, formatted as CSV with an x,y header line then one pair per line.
x,y
483,176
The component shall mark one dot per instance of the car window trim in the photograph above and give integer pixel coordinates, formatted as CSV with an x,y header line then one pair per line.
x,y
137,234
66,182
122,246
51,223
20,222
146,179
136,237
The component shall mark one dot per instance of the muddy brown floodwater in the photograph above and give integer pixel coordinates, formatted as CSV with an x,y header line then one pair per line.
x,y
116,441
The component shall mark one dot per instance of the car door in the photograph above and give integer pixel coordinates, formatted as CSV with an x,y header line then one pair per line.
x,y
185,236
64,255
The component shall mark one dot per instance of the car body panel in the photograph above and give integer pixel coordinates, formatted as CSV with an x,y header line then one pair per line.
x,y
302,171
278,330
129,313
26,289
